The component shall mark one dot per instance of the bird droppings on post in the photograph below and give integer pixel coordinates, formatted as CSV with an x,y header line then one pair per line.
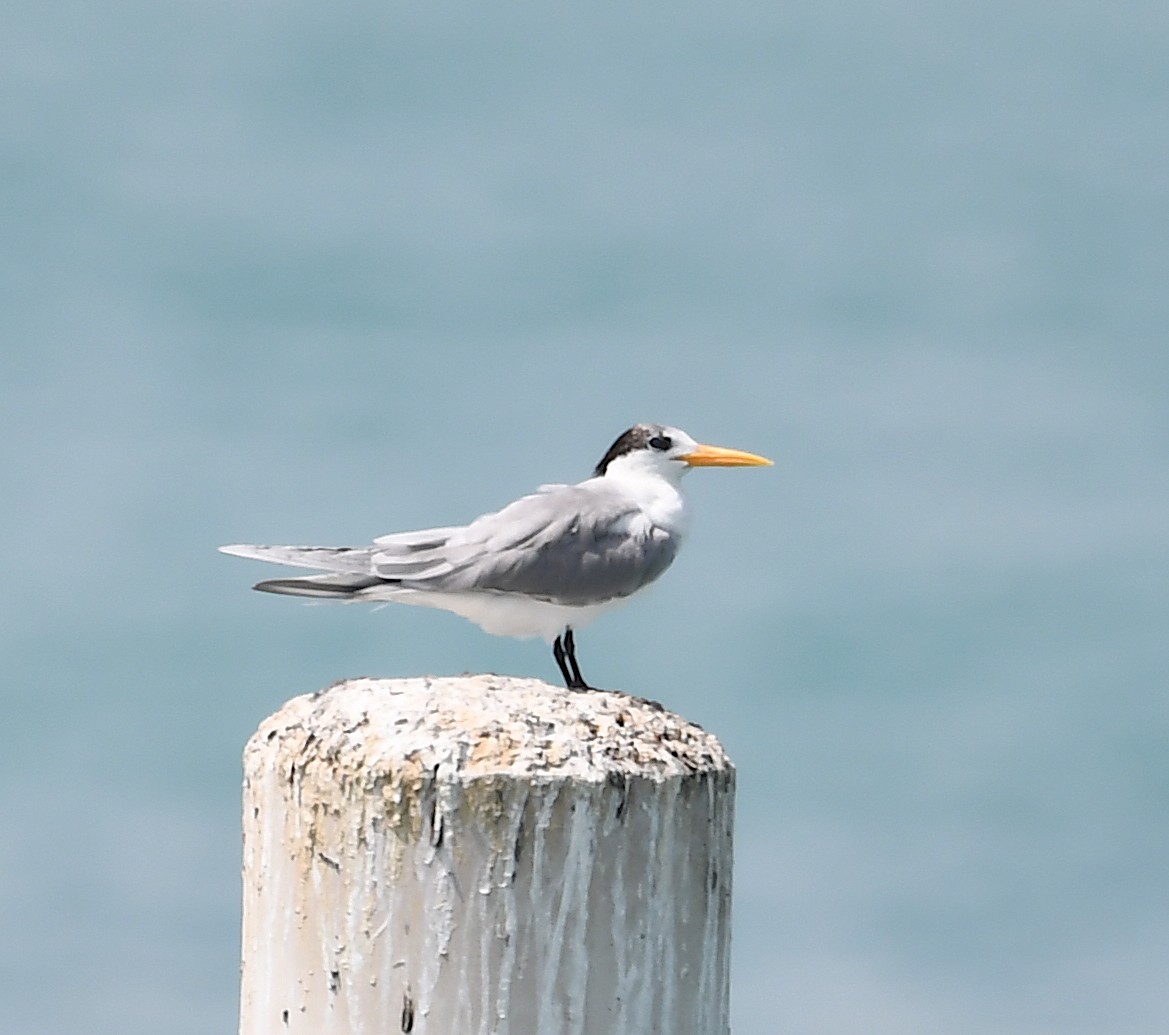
x,y
498,855
328,727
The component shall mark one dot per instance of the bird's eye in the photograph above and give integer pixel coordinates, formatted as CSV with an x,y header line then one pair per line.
x,y
662,442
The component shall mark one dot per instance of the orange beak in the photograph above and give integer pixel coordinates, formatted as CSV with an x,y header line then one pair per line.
x,y
717,456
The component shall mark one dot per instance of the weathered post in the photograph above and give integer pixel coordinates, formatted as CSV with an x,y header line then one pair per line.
x,y
484,856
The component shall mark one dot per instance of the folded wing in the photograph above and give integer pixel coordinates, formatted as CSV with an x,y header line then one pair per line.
x,y
567,544
570,544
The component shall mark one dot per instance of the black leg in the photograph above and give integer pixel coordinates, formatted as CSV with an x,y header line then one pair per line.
x,y
578,682
558,654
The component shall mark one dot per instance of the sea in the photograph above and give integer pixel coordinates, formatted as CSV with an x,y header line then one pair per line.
x,y
310,273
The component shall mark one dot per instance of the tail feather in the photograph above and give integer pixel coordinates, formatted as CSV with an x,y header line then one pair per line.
x,y
330,587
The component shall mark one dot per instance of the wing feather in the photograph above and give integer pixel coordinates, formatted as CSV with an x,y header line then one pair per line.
x,y
326,558
568,545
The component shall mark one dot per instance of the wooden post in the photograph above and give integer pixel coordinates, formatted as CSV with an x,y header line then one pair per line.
x,y
484,856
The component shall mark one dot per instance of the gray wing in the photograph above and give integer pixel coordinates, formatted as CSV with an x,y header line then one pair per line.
x,y
567,544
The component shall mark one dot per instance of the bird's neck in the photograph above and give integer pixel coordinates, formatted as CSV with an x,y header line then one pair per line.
x,y
659,498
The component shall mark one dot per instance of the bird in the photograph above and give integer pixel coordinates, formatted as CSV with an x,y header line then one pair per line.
x,y
543,566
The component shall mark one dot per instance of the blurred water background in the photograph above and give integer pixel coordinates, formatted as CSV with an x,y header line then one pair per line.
x,y
295,272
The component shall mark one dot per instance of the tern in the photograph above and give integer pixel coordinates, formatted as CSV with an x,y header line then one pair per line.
x,y
545,565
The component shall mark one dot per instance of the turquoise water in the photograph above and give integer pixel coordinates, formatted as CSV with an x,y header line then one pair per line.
x,y
282,272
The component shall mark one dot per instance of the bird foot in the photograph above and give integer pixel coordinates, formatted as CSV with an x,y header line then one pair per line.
x,y
564,651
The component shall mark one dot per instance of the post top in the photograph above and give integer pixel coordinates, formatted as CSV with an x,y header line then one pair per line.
x,y
469,727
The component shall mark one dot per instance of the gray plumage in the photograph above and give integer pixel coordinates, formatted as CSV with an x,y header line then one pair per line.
x,y
565,544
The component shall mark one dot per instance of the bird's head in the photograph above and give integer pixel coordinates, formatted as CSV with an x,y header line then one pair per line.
x,y
669,453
